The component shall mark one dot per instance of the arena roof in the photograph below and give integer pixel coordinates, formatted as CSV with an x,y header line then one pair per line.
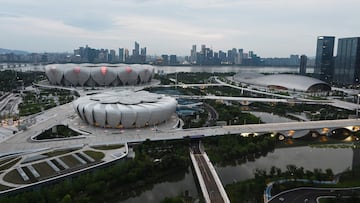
x,y
125,109
284,81
98,74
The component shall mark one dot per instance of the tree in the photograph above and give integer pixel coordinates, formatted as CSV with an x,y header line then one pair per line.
x,y
66,199
273,171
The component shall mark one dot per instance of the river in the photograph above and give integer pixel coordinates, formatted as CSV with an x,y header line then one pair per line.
x,y
170,188
310,158
226,69
338,160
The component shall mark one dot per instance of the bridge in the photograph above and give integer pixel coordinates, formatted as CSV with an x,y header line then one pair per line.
x,y
210,184
65,114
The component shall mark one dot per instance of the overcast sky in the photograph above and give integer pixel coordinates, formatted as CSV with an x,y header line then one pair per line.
x,y
270,28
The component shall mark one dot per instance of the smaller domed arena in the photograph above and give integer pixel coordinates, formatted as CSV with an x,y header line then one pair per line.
x,y
284,82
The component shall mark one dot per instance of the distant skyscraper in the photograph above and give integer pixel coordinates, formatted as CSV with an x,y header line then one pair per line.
x,y
126,55
143,51
165,59
294,60
193,54
173,60
347,63
303,62
324,62
239,57
222,56
111,56
143,55
232,55
251,53
137,49
121,55
203,47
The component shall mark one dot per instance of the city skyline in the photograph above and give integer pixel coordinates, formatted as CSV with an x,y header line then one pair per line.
x,y
270,28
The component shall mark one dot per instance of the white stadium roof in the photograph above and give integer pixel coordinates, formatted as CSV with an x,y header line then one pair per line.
x,y
98,74
125,109
284,81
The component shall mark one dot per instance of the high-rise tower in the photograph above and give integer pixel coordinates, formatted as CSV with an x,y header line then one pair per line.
x,y
193,54
303,62
347,63
121,55
324,62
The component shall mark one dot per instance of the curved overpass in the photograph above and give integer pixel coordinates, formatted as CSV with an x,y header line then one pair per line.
x,y
310,195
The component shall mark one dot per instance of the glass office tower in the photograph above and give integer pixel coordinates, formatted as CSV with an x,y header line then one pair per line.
x,y
347,63
324,62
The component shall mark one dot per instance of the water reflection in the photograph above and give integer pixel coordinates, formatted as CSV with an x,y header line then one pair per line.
x,y
270,118
170,188
336,159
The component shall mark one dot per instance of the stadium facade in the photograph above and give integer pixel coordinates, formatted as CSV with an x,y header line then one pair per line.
x,y
125,109
90,75
284,82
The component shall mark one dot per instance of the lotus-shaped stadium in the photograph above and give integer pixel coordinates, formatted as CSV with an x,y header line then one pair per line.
x,y
91,75
125,109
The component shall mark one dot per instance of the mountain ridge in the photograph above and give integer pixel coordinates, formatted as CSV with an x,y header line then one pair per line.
x,y
8,51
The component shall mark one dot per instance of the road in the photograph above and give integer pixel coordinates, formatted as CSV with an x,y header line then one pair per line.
x,y
214,193
65,115
309,195
207,176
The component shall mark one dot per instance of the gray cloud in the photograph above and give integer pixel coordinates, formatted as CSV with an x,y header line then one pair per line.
x,y
268,27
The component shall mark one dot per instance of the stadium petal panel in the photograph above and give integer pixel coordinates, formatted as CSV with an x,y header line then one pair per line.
x,y
90,75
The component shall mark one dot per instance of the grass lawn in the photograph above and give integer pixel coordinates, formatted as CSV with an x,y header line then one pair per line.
x,y
58,152
14,177
95,155
108,147
4,187
44,170
70,161
9,164
6,160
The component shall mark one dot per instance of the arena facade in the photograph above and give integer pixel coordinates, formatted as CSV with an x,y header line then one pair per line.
x,y
125,109
90,75
284,82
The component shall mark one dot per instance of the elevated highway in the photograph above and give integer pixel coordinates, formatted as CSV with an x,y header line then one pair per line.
x,y
64,114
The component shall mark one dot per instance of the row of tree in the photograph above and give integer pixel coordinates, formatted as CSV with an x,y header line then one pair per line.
x,y
11,79
230,149
123,180
233,114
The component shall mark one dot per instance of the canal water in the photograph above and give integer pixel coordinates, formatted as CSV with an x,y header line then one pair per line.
x,y
339,160
270,118
171,188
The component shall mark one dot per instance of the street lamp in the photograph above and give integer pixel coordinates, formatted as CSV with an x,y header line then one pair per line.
x,y
357,106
